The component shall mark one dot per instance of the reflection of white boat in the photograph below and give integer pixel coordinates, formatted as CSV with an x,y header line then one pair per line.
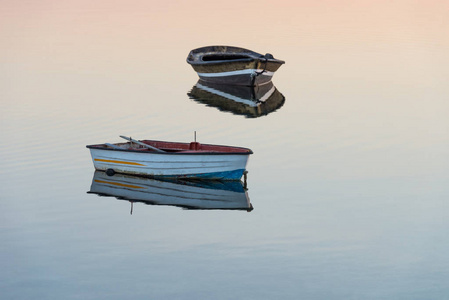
x,y
186,194
250,101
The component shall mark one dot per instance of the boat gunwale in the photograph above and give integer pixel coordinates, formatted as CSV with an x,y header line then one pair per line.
x,y
245,151
249,59
210,62
198,53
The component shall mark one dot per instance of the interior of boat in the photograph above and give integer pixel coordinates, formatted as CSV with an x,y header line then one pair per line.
x,y
173,147
227,56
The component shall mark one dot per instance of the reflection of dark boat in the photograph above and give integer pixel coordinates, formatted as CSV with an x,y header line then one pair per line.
x,y
251,102
229,195
233,65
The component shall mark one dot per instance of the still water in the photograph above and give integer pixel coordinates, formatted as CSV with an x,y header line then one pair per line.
x,y
347,194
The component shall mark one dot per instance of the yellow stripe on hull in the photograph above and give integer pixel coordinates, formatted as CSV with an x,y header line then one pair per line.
x,y
119,162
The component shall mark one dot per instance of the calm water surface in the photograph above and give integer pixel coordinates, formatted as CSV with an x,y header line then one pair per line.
x,y
348,180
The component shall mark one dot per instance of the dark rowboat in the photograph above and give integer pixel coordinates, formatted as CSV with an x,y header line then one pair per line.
x,y
233,65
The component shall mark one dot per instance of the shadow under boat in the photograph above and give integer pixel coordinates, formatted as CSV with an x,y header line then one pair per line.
x,y
250,101
207,195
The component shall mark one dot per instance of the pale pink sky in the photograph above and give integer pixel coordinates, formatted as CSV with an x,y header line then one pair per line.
x,y
251,22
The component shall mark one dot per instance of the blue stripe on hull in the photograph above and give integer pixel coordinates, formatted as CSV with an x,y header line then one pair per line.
x,y
227,175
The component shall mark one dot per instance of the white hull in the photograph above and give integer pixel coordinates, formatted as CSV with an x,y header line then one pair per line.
x,y
209,166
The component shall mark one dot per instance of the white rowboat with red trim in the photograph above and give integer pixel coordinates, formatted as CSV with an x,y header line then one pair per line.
x,y
160,159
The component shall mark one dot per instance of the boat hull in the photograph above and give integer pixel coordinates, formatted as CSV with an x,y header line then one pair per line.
x,y
211,166
233,75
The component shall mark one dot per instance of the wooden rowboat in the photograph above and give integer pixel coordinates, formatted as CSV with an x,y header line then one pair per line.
x,y
233,65
161,159
200,194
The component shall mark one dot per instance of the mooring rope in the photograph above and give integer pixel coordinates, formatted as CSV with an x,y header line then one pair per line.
x,y
264,67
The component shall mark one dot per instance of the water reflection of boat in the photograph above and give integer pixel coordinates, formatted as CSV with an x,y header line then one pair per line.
x,y
251,102
233,65
226,195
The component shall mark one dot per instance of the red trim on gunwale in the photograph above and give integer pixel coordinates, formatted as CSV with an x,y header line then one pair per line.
x,y
180,148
